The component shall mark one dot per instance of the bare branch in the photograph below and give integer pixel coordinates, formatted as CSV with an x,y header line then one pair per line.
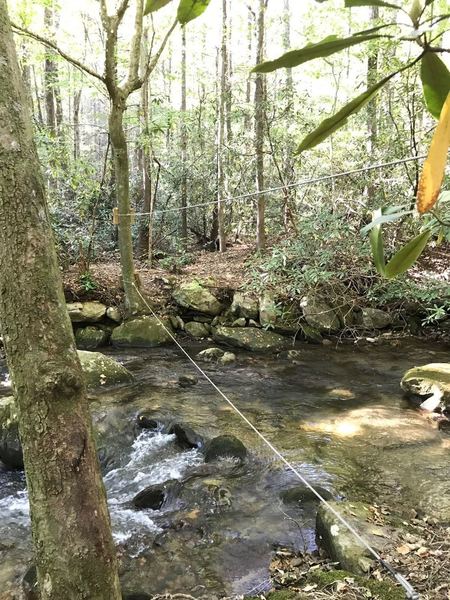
x,y
135,52
153,60
76,63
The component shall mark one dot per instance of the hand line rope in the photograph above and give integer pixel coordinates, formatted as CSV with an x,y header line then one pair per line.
x,y
301,183
410,592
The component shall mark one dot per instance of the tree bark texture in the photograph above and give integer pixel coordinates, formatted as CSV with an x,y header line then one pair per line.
x,y
183,144
74,550
259,131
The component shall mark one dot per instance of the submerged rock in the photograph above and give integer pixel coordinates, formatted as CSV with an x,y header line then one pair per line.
x,y
186,381
224,446
301,494
432,380
210,354
155,496
249,338
89,338
228,358
186,436
194,297
99,370
143,332
374,318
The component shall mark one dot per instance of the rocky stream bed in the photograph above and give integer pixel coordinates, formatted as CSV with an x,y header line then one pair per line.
x,y
337,413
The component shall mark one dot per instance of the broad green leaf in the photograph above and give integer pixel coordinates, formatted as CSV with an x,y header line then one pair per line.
x,y
407,256
154,5
435,81
376,243
339,119
355,3
322,49
385,218
415,11
191,9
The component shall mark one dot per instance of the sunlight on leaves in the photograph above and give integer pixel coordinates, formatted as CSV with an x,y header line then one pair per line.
x,y
434,168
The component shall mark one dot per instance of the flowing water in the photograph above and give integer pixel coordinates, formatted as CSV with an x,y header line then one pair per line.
x,y
336,413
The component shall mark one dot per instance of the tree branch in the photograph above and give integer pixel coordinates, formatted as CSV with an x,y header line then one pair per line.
x,y
76,63
153,60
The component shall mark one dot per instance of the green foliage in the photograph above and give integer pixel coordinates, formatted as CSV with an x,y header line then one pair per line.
x,y
339,119
330,45
356,3
88,282
436,82
154,5
435,314
191,9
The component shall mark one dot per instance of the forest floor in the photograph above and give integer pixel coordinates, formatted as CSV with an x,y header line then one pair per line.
x,y
230,270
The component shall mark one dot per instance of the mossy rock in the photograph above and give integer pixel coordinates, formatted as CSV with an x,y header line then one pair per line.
x,y
250,338
100,370
192,296
143,332
89,338
86,312
196,330
422,381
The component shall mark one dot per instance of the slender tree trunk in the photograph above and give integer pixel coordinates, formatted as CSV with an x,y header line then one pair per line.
x,y
38,106
372,109
74,550
248,91
288,163
119,144
223,89
76,124
183,144
259,131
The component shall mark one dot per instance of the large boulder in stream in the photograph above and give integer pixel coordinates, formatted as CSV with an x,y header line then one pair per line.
x,y
194,297
100,370
224,446
250,338
429,380
10,447
142,332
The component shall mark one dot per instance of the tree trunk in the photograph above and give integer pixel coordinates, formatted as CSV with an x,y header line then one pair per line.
x,y
259,132
133,301
372,109
223,90
288,163
74,550
76,123
183,143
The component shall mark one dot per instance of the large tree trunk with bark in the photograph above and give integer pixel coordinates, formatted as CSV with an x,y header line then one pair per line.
x,y
74,551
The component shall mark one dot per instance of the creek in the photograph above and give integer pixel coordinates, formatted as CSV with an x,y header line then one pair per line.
x,y
337,414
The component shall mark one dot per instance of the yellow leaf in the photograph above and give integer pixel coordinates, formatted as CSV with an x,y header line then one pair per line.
x,y
404,549
434,168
